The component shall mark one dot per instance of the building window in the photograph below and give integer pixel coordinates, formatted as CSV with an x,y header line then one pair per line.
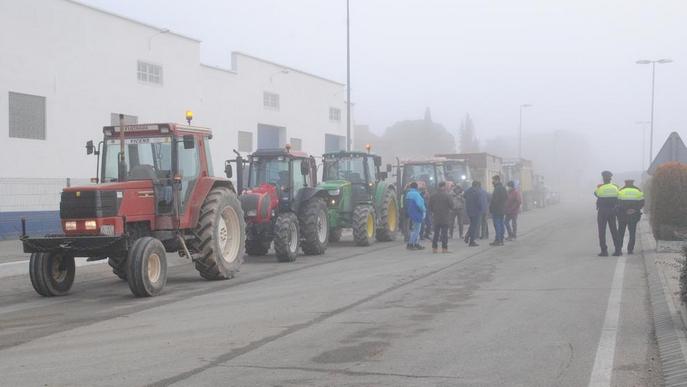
x,y
128,119
334,143
270,101
296,143
27,116
334,114
245,141
149,73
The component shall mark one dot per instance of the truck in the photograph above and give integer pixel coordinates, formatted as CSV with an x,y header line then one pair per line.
x,y
521,173
154,194
282,203
361,199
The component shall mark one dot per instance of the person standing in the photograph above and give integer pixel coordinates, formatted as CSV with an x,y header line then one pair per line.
x,y
416,212
457,215
513,203
426,228
441,206
606,203
474,210
486,199
497,207
630,204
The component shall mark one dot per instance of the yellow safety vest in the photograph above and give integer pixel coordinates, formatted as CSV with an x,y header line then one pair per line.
x,y
630,193
609,190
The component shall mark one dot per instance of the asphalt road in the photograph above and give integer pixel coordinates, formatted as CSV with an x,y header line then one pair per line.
x,y
537,312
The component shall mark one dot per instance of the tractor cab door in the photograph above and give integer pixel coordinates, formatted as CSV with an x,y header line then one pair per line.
x,y
188,168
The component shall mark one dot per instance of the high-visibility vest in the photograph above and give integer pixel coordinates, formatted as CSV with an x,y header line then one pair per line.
x,y
609,190
630,193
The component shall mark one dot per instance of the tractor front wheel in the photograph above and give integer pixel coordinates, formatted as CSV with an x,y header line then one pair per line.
x,y
221,233
147,267
257,247
388,217
364,225
286,237
314,226
52,274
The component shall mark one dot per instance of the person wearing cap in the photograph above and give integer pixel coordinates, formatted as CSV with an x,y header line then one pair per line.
x,y
606,203
630,204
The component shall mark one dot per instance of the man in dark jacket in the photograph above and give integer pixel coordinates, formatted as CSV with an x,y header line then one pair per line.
x,y
474,210
512,210
630,204
441,205
497,207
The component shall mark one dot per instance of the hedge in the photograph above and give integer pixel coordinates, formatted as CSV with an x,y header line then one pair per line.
x,y
668,206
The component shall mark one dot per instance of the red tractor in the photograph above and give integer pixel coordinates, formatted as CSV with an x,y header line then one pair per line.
x,y
282,204
155,195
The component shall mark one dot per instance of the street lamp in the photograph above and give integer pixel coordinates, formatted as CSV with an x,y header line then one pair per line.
x,y
525,105
653,83
348,76
643,124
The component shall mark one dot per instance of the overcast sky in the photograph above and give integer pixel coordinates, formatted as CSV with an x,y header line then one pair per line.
x,y
573,60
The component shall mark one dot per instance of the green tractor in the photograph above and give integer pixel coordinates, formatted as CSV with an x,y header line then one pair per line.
x,y
360,197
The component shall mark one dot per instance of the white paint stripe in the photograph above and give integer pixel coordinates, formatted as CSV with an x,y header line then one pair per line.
x,y
22,267
605,352
14,263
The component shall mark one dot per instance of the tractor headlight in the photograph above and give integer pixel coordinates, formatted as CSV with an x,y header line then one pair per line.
x,y
334,192
90,225
463,177
252,213
69,226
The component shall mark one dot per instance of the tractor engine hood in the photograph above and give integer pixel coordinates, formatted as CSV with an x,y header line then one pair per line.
x,y
334,187
258,203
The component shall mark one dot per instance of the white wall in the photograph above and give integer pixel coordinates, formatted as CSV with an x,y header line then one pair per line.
x,y
84,62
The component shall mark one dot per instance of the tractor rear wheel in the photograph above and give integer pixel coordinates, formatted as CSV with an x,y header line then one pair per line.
x,y
314,226
52,274
118,265
335,234
388,217
286,237
364,225
221,233
147,267
257,247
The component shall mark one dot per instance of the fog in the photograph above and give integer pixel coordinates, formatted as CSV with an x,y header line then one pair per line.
x,y
574,61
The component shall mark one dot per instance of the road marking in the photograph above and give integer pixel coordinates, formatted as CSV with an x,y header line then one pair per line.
x,y
605,352
22,267
13,263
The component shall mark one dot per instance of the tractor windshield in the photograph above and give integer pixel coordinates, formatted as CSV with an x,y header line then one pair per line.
x,y
419,172
269,170
456,172
345,168
147,158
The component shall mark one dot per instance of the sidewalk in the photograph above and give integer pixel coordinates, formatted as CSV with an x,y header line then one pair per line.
x,y
670,315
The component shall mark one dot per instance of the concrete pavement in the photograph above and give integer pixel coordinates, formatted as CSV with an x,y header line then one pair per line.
x,y
528,314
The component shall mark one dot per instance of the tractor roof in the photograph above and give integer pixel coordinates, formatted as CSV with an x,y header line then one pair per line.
x,y
155,128
276,152
434,161
344,153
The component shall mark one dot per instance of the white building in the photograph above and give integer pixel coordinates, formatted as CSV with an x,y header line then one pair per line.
x,y
67,69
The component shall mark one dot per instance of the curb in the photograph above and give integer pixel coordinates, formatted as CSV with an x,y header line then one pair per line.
x,y
668,323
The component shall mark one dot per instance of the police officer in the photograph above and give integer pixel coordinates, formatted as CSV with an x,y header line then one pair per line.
x,y
630,204
606,203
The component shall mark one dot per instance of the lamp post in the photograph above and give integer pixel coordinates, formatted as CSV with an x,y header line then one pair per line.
x,y
525,105
348,76
653,83
643,124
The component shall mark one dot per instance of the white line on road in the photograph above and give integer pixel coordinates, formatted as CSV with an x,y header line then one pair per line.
x,y
14,263
9,269
605,352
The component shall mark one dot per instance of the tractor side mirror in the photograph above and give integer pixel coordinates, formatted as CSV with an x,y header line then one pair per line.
x,y
388,168
305,167
228,169
90,148
378,162
382,175
189,141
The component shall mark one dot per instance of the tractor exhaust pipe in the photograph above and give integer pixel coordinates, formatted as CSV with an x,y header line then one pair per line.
x,y
121,166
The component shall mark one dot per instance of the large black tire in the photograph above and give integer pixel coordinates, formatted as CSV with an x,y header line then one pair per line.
x,y
221,232
314,227
147,267
286,237
118,266
257,247
52,274
364,225
335,234
388,217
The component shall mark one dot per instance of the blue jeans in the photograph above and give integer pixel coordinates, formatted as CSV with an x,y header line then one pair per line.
x,y
474,228
499,227
414,233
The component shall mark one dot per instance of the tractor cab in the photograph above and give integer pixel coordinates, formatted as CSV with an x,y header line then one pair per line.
x,y
361,170
458,172
426,173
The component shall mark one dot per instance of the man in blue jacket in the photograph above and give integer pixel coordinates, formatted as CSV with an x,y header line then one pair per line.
x,y
474,208
416,211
